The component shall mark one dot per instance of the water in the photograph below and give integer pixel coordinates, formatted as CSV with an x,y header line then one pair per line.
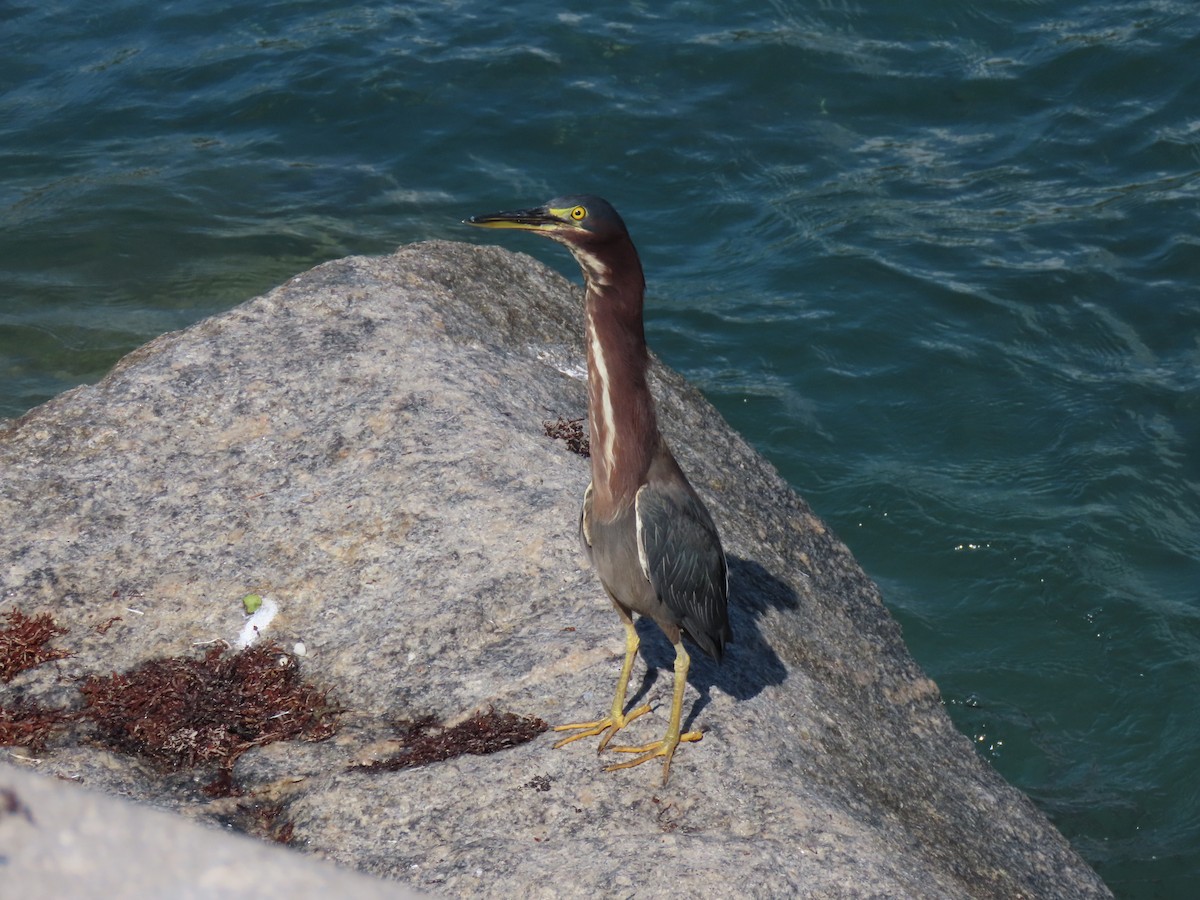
x,y
936,260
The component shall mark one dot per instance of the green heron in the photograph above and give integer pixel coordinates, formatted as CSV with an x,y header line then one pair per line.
x,y
645,530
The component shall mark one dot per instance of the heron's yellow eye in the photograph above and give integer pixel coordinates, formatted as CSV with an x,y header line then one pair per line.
x,y
579,214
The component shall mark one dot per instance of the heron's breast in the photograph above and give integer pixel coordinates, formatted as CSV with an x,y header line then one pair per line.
x,y
615,559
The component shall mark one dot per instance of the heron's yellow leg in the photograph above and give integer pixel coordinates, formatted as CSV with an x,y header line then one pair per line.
x,y
617,718
672,739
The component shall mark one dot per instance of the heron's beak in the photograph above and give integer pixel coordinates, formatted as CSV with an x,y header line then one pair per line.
x,y
537,219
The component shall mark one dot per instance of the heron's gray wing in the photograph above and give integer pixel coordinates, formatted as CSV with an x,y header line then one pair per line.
x,y
585,522
680,553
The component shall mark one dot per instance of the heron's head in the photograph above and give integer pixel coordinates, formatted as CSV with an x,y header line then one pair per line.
x,y
577,220
590,228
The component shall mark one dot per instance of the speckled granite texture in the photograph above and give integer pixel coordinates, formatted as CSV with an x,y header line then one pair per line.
x,y
365,446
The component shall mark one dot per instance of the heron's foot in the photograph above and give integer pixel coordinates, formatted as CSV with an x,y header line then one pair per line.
x,y
664,748
609,726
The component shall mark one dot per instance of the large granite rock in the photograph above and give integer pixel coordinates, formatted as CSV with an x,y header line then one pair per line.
x,y
365,446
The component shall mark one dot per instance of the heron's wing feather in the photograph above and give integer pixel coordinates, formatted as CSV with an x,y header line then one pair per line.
x,y
585,522
680,554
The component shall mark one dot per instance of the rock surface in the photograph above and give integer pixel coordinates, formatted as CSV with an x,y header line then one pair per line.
x,y
60,841
365,446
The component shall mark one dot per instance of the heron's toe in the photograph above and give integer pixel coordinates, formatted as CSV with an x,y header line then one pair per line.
x,y
664,749
609,726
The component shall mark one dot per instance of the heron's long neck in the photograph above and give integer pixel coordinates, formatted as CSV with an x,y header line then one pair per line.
x,y
624,430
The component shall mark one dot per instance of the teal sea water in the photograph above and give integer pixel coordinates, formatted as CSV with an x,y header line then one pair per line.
x,y
937,260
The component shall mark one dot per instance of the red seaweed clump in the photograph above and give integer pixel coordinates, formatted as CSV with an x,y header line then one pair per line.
x,y
23,643
27,725
181,712
426,740
571,431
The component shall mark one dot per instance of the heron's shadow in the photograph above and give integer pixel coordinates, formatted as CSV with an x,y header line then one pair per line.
x,y
750,663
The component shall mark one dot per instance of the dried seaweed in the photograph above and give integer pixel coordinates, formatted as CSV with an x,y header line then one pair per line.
x,y
27,725
265,819
571,431
182,713
427,741
23,643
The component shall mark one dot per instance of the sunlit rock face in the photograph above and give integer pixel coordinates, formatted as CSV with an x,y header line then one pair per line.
x,y
367,448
